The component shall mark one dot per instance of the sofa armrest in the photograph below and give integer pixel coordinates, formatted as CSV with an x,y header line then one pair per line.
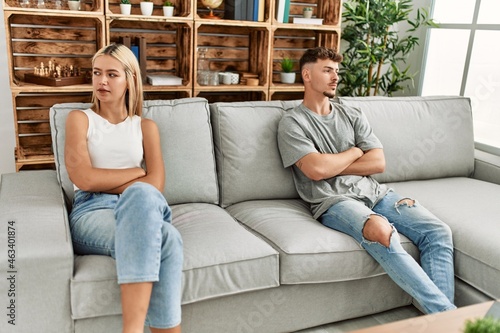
x,y
36,254
487,167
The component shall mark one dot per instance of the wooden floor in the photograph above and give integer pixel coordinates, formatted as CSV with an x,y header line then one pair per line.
x,y
373,320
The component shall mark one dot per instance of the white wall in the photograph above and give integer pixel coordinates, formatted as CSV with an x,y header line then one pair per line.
x,y
7,133
417,57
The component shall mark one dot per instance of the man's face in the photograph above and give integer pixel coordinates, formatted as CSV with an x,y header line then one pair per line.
x,y
323,76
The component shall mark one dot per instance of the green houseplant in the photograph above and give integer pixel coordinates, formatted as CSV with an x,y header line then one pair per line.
x,y
287,75
147,7
375,49
482,325
74,4
125,7
168,8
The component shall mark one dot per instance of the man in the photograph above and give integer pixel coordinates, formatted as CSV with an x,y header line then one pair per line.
x,y
333,152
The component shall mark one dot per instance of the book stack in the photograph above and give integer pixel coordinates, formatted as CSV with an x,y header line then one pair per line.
x,y
164,80
244,10
312,20
244,78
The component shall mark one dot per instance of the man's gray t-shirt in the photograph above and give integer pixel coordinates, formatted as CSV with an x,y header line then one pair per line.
x,y
302,132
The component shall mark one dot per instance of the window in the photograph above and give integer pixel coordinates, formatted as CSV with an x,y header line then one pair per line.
x,y
462,58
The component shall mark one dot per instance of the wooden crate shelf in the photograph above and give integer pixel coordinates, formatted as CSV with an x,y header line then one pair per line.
x,y
34,142
43,38
54,6
35,35
183,10
233,96
202,11
235,48
329,10
292,43
166,47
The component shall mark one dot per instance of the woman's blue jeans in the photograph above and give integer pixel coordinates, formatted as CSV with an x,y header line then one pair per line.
x,y
432,283
135,229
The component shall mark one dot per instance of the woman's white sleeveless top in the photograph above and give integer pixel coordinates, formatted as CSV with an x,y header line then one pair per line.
x,y
114,146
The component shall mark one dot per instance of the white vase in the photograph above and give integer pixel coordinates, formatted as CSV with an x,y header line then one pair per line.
x,y
74,5
168,11
147,8
287,77
125,8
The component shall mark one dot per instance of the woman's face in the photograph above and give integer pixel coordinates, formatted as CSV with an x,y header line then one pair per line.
x,y
109,80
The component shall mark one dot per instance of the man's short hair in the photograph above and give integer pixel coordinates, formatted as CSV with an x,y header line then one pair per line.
x,y
312,55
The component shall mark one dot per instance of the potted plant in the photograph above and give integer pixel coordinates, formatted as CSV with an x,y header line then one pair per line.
x,y
307,12
482,325
375,48
168,8
74,4
146,7
287,76
125,7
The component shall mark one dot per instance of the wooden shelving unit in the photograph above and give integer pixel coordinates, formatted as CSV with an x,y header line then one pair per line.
x,y
52,32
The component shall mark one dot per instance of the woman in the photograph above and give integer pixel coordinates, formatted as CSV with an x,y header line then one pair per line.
x,y
114,159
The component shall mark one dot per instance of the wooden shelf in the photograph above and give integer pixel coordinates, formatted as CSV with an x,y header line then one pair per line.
x,y
169,45
87,7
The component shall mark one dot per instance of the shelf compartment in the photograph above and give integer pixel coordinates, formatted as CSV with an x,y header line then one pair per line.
x,y
183,9
55,6
292,43
220,12
242,49
233,96
328,10
288,95
31,116
168,47
65,40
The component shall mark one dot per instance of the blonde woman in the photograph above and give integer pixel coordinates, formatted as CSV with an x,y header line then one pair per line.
x,y
114,159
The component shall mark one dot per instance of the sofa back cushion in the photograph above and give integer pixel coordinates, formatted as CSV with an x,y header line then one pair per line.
x,y
187,147
423,137
248,160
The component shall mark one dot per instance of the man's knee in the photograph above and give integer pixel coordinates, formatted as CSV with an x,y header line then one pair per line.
x,y
378,229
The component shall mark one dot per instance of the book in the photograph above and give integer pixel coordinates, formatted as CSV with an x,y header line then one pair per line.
x,y
250,7
280,10
286,11
302,20
235,10
260,11
164,80
255,12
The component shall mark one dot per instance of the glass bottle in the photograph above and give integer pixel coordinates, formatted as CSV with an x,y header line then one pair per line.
x,y
203,72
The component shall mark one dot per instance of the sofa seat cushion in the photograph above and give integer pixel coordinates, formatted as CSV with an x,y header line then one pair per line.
x,y
309,251
221,258
470,208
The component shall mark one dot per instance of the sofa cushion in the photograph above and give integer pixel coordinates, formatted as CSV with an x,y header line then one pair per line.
x,y
248,160
423,137
220,258
469,207
309,251
187,147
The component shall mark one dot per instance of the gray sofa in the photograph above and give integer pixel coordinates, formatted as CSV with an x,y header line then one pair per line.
x,y
255,260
